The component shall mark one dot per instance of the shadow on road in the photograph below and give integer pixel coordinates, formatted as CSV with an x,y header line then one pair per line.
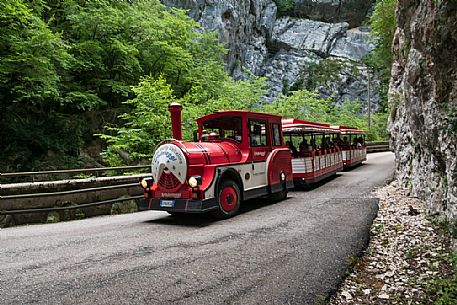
x,y
312,186
254,204
203,220
357,166
186,220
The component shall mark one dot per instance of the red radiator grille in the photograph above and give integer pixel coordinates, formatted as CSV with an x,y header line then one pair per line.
x,y
169,182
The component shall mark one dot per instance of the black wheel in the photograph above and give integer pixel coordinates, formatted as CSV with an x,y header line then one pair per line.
x,y
228,199
278,196
282,194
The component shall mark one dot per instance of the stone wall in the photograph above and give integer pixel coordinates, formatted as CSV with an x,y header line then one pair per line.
x,y
423,102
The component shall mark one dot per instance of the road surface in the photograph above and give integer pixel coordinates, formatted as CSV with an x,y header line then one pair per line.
x,y
292,252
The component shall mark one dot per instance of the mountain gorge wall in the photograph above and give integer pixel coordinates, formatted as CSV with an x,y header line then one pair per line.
x,y
287,50
423,102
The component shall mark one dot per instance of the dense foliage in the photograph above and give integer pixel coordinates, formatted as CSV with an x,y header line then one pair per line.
x,y
60,60
285,7
148,121
72,68
308,105
382,23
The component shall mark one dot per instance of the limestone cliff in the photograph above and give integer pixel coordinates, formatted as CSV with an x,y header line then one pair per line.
x,y
353,12
423,102
285,49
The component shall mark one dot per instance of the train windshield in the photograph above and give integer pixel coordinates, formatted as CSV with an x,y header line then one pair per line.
x,y
226,127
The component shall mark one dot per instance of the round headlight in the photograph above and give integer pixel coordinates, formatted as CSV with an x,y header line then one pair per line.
x,y
144,183
193,182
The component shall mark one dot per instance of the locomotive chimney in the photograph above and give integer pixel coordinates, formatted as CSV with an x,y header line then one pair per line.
x,y
175,113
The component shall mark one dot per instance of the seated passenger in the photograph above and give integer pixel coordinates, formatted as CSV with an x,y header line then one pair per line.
x,y
324,145
328,142
361,142
304,147
354,143
346,144
312,144
292,148
338,141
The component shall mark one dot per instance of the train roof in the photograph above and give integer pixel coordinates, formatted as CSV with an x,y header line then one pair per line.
x,y
242,113
300,126
348,129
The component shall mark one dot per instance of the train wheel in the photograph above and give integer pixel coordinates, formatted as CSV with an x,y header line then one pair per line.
x,y
228,199
282,194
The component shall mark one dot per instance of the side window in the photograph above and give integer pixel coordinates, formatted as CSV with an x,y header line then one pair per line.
x,y
257,132
276,135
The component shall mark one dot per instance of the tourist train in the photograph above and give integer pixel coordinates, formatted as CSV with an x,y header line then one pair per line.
x,y
239,155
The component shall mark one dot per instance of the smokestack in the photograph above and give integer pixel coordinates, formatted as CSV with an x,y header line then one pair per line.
x,y
175,113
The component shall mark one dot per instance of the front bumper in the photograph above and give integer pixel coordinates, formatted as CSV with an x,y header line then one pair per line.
x,y
179,205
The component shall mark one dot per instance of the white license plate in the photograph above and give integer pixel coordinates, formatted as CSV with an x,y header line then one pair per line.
x,y
167,203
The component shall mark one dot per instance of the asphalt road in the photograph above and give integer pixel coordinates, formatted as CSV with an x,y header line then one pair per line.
x,y
292,252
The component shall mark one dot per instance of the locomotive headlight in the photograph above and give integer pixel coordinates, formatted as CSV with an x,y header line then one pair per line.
x,y
143,183
194,181
146,182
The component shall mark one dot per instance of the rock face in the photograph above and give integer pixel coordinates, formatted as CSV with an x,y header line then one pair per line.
x,y
353,12
423,102
284,48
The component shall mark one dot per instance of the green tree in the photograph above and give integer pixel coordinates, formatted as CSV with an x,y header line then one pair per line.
x,y
148,121
145,125
285,7
303,104
349,113
60,60
31,60
31,55
383,28
382,23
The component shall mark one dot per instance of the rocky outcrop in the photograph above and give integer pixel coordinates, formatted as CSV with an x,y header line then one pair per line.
x,y
284,49
308,35
353,12
423,102
302,44
243,27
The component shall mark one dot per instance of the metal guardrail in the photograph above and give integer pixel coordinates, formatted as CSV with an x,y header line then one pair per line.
x,y
86,190
71,171
72,207
371,147
58,195
378,146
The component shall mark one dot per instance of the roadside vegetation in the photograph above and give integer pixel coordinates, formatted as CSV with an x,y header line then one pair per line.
x,y
79,77
382,25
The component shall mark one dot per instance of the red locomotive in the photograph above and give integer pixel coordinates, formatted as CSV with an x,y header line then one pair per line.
x,y
239,155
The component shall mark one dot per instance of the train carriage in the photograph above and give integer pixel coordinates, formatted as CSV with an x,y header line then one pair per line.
x,y
239,155
353,148
315,150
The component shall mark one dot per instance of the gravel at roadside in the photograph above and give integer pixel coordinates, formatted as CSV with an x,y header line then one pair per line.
x,y
405,253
